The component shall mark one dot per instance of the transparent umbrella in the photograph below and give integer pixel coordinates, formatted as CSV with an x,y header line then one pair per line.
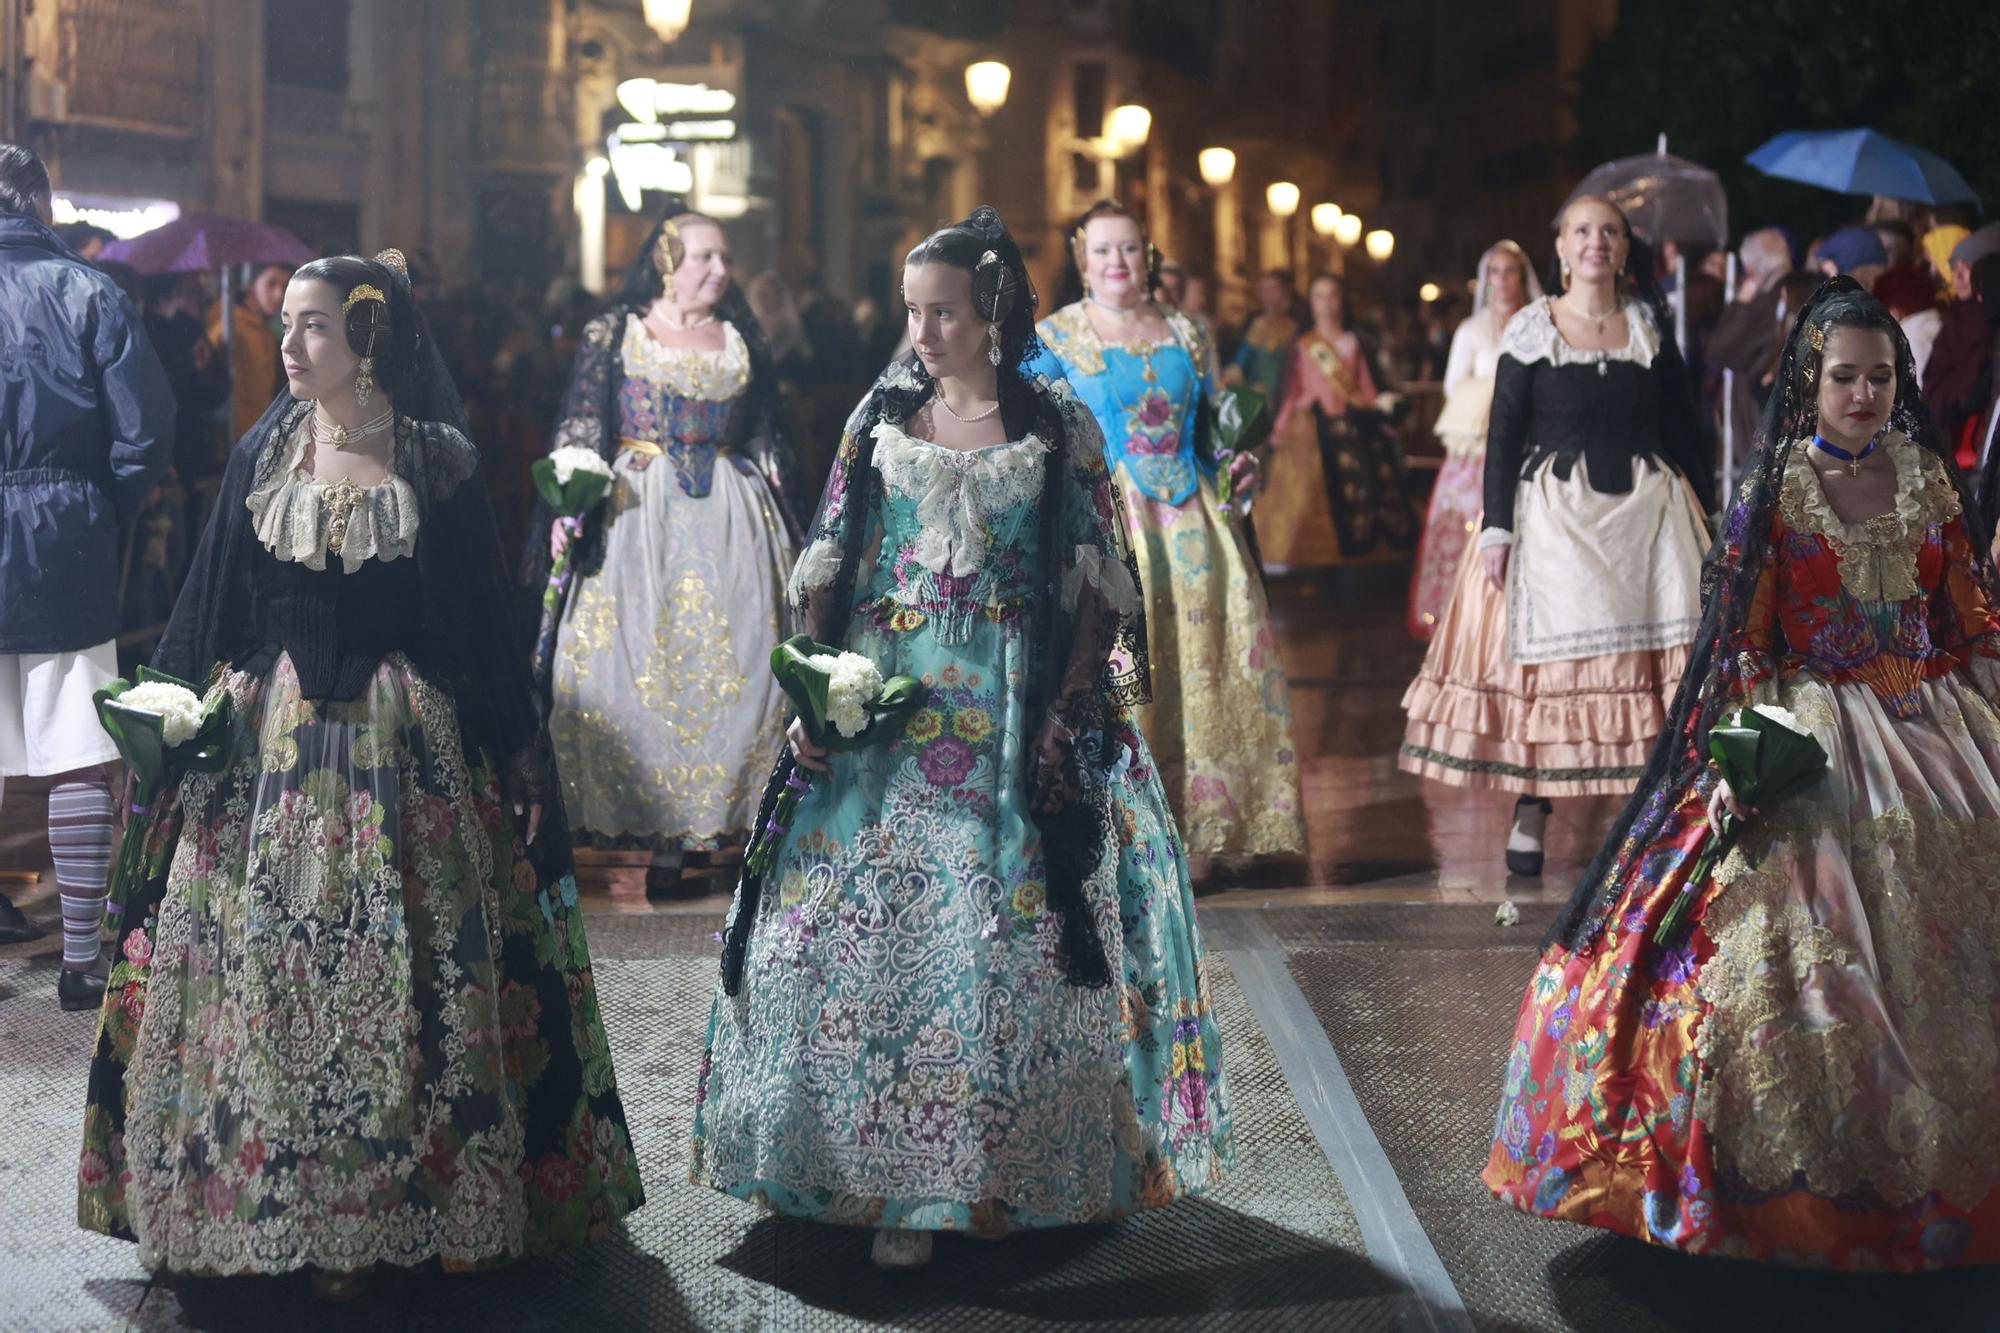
x,y
1667,198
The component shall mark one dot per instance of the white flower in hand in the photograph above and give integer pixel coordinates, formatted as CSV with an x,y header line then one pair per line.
x,y
574,458
1784,717
177,708
852,683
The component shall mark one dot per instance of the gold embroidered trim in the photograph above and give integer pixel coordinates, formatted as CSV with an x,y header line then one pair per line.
x,y
1878,556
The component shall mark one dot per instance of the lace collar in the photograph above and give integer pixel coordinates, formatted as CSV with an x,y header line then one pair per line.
x,y
688,372
1878,556
302,519
958,492
1532,336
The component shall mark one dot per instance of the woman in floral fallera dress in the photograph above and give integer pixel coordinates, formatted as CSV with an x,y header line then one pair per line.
x,y
969,994
351,1019
1806,1070
1220,722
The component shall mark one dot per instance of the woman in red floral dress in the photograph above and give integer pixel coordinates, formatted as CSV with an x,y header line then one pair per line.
x,y
1807,1070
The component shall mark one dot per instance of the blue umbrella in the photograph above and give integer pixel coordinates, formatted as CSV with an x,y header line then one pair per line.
x,y
1862,162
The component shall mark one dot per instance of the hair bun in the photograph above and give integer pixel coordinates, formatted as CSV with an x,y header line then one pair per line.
x,y
986,221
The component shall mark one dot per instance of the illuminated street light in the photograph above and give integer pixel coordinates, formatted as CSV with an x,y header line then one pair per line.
x,y
1347,229
1381,244
1429,292
986,83
1218,167
1326,218
668,18
1128,127
1282,198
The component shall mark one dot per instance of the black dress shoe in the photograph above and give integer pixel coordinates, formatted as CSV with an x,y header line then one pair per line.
x,y
15,928
1529,864
80,989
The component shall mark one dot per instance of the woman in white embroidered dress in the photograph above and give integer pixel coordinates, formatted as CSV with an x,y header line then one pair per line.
x,y
1506,283
969,994
665,715
1564,641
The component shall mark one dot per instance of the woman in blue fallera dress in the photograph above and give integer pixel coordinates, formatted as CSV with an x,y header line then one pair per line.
x,y
1221,722
969,994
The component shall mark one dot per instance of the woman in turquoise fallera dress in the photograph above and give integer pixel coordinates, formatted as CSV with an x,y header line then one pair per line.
x,y
969,994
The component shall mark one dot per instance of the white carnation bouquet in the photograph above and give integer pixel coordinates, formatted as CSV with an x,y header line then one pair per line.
x,y
163,731
844,704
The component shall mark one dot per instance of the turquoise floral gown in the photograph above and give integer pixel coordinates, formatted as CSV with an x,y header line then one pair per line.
x,y
906,1049
351,1018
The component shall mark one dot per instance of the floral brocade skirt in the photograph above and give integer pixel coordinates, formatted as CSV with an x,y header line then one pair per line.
x,y
1808,1074
906,1050
348,1023
1220,723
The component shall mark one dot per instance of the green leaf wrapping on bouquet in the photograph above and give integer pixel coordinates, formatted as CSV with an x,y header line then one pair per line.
x,y
1765,763
141,737
574,498
156,766
1238,419
805,682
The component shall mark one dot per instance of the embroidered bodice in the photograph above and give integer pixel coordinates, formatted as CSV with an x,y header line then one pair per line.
x,y
1146,398
1890,601
685,402
959,540
300,518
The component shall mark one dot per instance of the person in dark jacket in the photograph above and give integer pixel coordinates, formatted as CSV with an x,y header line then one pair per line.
x,y
86,428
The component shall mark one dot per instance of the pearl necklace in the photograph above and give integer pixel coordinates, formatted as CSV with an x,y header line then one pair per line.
x,y
1599,320
685,323
328,431
937,396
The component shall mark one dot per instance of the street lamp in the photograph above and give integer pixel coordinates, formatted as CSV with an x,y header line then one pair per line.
x,y
1347,229
1326,219
668,18
1381,244
1218,167
1282,198
1429,292
1128,127
986,83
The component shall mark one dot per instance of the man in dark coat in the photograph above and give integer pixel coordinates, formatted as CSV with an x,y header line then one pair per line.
x,y
86,428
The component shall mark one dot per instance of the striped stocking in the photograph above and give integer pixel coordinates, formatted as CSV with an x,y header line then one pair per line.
x,y
81,826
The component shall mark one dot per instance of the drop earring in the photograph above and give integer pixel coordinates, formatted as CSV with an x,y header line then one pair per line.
x,y
364,381
993,339
1565,268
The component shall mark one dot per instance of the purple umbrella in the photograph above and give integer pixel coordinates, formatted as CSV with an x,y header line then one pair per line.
x,y
198,242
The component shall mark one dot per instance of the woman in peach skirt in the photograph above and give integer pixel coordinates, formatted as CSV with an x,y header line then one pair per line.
x,y
1562,645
